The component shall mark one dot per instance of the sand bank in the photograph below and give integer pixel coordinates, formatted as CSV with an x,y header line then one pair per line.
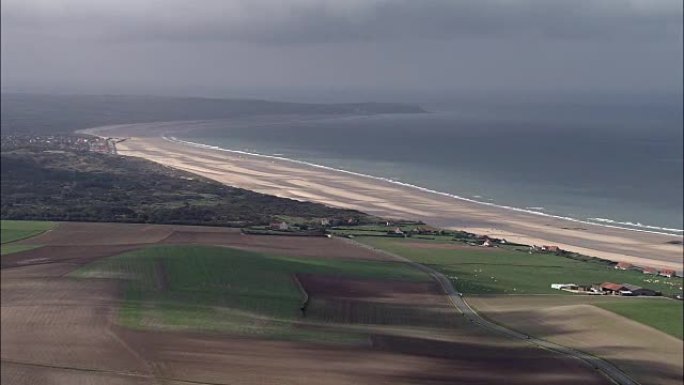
x,y
298,181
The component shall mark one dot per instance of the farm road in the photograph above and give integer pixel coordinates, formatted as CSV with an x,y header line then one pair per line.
x,y
605,367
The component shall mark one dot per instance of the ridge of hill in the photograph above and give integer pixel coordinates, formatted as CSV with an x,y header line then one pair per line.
x,y
54,114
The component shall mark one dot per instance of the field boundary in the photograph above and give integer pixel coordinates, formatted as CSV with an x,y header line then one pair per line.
x,y
305,295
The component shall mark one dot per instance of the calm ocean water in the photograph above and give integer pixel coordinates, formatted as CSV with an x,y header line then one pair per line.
x,y
619,167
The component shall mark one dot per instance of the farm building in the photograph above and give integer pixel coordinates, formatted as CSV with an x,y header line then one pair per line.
x,y
637,290
397,232
623,266
279,226
425,229
487,243
561,286
625,289
552,249
667,273
649,270
574,288
612,288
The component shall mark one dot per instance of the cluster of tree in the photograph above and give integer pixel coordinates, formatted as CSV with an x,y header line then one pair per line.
x,y
71,186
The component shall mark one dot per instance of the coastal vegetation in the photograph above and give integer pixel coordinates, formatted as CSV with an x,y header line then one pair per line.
x,y
39,184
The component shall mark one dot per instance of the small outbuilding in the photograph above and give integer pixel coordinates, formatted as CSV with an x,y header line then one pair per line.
x,y
561,286
279,226
623,266
667,273
397,232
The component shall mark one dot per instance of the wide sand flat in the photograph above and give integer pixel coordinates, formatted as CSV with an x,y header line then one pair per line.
x,y
297,181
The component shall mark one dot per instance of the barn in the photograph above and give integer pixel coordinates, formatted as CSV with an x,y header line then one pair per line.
x,y
612,288
637,290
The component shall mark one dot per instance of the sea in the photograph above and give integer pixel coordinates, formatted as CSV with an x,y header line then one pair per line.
x,y
608,163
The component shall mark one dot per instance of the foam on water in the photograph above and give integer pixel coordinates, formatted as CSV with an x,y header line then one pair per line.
x,y
635,224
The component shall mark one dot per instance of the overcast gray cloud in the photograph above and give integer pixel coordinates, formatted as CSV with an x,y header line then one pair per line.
x,y
316,21
534,44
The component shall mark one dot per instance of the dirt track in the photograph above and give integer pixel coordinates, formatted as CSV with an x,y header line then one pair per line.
x,y
61,330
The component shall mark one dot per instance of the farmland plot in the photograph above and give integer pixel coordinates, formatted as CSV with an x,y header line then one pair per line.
x,y
116,313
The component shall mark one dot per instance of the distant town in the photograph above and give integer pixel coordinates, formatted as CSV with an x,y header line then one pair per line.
x,y
76,143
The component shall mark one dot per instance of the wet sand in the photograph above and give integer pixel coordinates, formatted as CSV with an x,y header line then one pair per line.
x,y
297,181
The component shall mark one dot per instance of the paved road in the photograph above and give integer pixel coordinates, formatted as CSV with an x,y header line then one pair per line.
x,y
605,367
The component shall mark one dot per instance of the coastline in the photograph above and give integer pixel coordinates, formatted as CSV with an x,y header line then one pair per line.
x,y
378,196
603,222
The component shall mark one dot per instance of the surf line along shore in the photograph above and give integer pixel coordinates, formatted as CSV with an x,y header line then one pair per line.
x,y
296,180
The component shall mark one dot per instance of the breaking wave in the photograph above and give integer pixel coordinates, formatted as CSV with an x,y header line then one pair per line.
x,y
634,224
603,222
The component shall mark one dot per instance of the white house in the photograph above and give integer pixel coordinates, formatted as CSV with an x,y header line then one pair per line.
x,y
561,286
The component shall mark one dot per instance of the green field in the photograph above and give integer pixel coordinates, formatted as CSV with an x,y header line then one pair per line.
x,y
664,315
12,231
223,289
11,248
477,270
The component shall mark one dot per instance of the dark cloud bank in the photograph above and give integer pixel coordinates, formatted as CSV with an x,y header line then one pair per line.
x,y
180,46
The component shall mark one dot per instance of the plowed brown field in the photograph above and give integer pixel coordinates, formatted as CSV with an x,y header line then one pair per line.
x,y
62,330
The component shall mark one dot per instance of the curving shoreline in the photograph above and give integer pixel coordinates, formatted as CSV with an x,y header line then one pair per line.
x,y
298,180
602,222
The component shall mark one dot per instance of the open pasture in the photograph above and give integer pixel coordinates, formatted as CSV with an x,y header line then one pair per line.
x,y
666,316
505,270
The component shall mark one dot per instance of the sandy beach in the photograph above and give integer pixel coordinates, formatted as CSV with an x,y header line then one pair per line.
x,y
302,182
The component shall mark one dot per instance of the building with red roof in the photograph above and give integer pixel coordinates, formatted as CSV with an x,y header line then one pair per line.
x,y
612,288
667,273
623,266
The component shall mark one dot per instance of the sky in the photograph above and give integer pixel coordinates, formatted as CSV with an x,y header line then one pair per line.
x,y
228,47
